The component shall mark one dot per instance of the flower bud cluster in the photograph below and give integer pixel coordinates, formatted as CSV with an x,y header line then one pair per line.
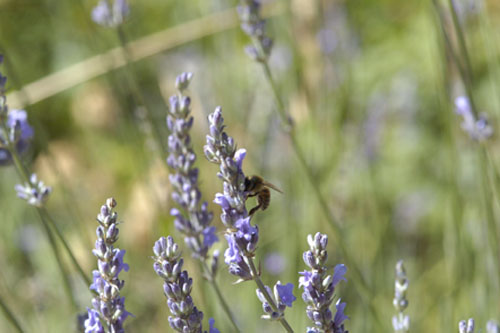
x,y
15,131
109,15
108,313
255,27
177,287
319,287
35,192
241,236
466,326
478,129
401,322
193,220
282,297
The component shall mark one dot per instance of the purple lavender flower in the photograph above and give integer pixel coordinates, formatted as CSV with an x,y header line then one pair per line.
x,y
478,129
401,322
177,287
319,287
108,313
194,220
15,132
241,235
255,27
492,327
466,327
110,16
282,297
35,192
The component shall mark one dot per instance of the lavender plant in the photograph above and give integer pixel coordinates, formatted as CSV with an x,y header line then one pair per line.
x,y
110,15
492,327
193,219
108,313
466,326
241,235
319,288
15,135
177,287
400,322
254,26
478,129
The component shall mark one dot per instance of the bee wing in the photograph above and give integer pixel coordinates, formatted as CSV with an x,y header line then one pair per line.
x,y
272,186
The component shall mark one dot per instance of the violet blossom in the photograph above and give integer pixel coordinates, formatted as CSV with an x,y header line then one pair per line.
x,y
108,313
193,218
319,288
177,287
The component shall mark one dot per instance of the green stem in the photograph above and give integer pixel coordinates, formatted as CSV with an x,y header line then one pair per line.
x,y
55,250
357,277
10,316
490,214
222,301
43,211
44,217
137,95
467,76
263,290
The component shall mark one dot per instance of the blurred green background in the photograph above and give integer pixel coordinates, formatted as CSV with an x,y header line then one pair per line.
x,y
370,86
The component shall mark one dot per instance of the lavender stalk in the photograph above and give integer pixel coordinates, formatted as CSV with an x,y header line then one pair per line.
x,y
241,235
113,15
254,26
400,322
10,316
193,219
319,288
177,287
108,313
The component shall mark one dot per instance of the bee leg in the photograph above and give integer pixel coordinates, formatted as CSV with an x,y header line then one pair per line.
x,y
253,210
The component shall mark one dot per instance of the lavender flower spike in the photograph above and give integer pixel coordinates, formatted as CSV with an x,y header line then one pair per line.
x,y
193,220
110,16
242,237
108,313
255,27
35,192
466,327
401,322
478,129
177,287
319,288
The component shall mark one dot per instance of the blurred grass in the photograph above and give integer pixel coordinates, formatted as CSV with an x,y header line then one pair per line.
x,y
373,115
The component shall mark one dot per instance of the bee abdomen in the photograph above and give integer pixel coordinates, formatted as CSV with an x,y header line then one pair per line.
x,y
264,198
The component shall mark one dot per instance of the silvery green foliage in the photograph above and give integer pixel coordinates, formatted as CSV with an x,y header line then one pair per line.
x,y
110,15
193,219
254,26
478,129
319,288
400,322
177,287
466,327
108,312
35,192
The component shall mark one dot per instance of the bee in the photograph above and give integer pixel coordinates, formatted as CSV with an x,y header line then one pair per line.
x,y
257,186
